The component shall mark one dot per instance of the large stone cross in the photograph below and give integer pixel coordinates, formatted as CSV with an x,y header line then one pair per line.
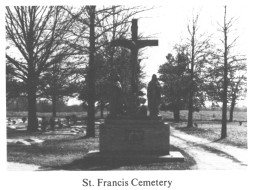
x,y
134,45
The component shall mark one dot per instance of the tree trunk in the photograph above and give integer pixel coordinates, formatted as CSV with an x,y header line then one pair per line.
x,y
54,105
102,110
231,114
190,106
190,110
54,93
224,116
176,113
91,77
225,84
31,98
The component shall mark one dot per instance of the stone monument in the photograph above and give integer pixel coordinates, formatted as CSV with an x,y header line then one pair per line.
x,y
134,45
132,135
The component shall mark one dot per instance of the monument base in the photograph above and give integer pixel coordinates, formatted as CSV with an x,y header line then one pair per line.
x,y
130,136
174,156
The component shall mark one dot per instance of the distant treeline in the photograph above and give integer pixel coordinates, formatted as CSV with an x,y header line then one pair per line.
x,y
43,106
20,104
236,109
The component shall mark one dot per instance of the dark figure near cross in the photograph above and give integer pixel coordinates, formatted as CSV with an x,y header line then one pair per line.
x,y
116,96
134,45
154,97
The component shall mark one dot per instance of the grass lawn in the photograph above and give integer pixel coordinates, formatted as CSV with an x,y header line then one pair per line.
x,y
205,115
80,115
236,133
68,152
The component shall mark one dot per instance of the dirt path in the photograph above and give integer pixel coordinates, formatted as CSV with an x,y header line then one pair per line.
x,y
13,166
209,155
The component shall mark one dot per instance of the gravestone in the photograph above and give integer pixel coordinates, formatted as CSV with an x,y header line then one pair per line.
x,y
134,134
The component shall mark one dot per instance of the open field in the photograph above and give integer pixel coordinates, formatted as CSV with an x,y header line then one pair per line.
x,y
202,115
205,115
211,130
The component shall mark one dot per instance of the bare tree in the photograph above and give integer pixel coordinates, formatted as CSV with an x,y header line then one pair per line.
x,y
199,44
37,34
228,69
225,81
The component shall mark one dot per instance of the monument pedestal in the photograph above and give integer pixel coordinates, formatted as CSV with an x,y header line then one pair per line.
x,y
135,140
134,136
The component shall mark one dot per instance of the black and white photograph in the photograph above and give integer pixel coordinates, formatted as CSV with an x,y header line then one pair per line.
x,y
126,95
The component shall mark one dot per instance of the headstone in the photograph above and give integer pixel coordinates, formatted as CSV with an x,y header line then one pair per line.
x,y
52,123
24,119
59,123
74,119
67,121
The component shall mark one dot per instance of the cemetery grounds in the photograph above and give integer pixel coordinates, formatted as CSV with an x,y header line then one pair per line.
x,y
66,147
